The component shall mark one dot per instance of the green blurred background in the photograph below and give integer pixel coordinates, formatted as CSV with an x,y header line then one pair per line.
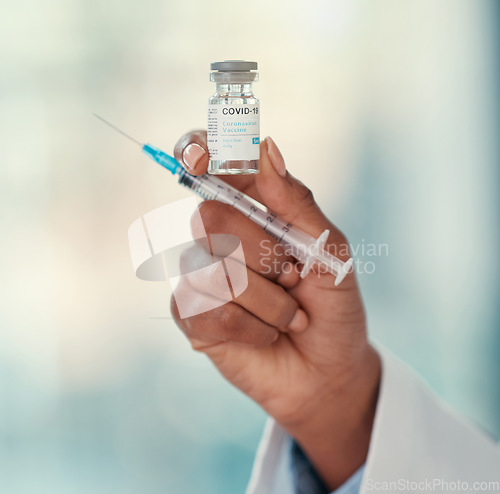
x,y
388,110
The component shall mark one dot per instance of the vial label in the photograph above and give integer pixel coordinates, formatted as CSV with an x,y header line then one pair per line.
x,y
233,132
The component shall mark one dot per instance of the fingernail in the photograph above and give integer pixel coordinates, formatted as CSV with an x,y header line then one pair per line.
x,y
275,156
299,321
192,155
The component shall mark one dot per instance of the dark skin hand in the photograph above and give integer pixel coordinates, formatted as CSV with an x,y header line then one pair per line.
x,y
298,347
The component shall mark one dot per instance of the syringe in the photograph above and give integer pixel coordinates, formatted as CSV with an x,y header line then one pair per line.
x,y
303,247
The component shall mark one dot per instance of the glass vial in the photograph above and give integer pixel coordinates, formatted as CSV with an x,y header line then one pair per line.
x,y
233,133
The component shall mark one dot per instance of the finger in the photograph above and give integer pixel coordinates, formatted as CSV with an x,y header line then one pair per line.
x,y
191,151
263,254
229,322
289,276
289,198
227,278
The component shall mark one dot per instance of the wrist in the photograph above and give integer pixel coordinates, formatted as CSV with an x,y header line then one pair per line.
x,y
335,432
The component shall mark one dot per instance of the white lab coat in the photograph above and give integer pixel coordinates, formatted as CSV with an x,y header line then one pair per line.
x,y
418,444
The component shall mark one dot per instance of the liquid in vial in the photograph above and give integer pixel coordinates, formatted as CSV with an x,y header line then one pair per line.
x,y
233,134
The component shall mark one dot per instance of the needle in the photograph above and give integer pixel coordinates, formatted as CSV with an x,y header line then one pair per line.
x,y
118,130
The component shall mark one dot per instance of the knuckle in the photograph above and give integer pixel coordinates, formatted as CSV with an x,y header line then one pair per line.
x,y
238,276
193,325
214,215
283,309
304,194
230,316
216,282
197,224
265,340
234,266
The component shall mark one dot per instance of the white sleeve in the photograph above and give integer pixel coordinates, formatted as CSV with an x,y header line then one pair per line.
x,y
418,444
418,439
271,472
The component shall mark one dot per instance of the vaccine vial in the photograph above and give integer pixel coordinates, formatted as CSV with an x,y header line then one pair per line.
x,y
233,133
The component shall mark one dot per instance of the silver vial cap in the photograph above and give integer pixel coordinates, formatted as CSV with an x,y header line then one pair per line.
x,y
233,66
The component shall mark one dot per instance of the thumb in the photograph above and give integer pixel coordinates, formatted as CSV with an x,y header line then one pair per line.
x,y
286,196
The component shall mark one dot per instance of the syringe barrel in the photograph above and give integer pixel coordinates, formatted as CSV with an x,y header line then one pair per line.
x,y
210,187
297,243
207,187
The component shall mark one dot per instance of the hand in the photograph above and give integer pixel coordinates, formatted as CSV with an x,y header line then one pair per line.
x,y
298,347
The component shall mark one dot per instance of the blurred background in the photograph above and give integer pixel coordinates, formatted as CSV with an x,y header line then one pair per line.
x,y
388,110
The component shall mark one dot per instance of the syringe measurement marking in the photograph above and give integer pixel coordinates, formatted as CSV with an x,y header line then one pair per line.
x,y
237,197
285,229
218,190
270,218
253,210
